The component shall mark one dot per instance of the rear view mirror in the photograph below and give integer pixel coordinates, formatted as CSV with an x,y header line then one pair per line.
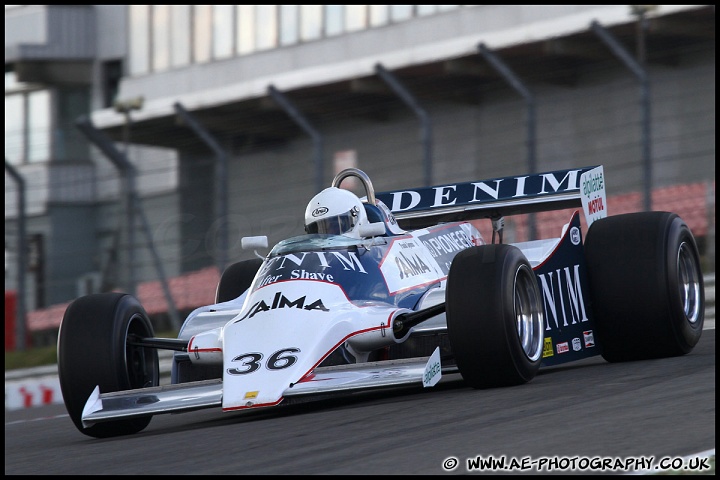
x,y
372,229
254,242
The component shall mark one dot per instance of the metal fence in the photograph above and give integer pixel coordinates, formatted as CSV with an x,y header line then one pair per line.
x,y
652,127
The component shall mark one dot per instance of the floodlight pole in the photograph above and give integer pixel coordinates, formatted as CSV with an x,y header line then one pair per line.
x,y
125,107
515,83
298,117
420,112
638,69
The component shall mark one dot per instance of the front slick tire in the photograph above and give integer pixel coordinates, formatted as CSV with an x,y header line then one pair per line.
x,y
494,316
647,290
93,350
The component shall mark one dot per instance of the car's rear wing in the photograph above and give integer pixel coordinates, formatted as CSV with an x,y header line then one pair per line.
x,y
498,197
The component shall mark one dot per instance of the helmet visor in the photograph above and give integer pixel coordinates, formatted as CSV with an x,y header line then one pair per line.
x,y
336,225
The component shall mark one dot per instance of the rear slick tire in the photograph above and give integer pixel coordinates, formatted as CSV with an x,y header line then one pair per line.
x,y
494,316
93,350
647,291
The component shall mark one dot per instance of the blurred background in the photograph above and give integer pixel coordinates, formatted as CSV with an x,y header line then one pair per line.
x,y
143,141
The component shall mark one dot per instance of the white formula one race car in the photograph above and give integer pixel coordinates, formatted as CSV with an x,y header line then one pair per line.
x,y
396,289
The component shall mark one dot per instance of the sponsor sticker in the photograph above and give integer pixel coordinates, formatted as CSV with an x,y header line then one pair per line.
x,y
249,395
547,348
491,190
557,288
407,265
444,243
281,301
592,195
589,338
433,370
323,266
319,211
575,235
562,347
303,274
576,344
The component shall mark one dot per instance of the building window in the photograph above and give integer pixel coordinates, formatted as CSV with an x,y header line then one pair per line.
x,y
223,31
246,29
38,126
27,122
111,75
400,13
171,36
289,25
14,128
267,26
202,33
423,10
379,15
139,39
69,143
160,37
180,35
310,22
355,17
333,20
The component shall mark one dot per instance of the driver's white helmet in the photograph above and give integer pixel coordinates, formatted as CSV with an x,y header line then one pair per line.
x,y
335,211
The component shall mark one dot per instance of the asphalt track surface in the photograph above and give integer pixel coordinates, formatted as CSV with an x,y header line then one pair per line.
x,y
589,409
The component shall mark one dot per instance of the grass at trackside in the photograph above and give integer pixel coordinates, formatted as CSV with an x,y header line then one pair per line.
x,y
31,357
40,356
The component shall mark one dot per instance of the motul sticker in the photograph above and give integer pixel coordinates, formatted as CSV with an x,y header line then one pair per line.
x,y
592,195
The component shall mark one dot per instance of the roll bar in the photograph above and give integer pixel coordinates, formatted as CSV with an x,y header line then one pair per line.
x,y
356,172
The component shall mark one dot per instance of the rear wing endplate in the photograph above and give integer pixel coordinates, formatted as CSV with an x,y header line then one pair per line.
x,y
498,197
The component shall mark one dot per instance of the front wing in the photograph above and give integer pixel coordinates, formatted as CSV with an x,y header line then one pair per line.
x,y
184,397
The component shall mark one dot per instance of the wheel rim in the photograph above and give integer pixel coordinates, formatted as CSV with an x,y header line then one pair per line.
x,y
689,282
528,313
139,360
